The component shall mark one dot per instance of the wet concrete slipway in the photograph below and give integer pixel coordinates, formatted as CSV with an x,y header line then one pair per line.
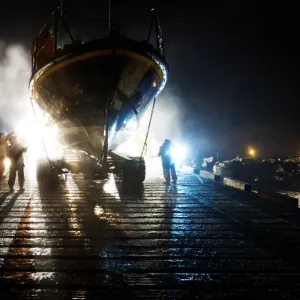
x,y
90,240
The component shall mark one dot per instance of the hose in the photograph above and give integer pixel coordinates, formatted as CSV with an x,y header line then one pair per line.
x,y
188,174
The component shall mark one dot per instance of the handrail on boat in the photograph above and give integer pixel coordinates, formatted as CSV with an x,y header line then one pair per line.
x,y
45,53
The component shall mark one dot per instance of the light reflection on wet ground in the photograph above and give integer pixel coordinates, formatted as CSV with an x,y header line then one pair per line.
x,y
93,239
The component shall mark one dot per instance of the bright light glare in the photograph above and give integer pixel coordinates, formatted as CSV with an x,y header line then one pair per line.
x,y
131,125
130,147
179,153
251,152
29,132
30,135
7,163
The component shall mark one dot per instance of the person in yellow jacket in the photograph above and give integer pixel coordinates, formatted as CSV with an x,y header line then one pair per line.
x,y
3,151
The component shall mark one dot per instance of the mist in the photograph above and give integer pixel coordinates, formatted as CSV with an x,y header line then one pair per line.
x,y
168,117
15,68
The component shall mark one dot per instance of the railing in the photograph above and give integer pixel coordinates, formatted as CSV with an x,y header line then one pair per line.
x,y
43,43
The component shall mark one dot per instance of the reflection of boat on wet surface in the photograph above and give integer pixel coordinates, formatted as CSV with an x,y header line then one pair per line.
x,y
87,240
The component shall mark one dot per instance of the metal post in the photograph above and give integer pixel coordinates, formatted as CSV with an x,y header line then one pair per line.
x,y
109,103
104,161
148,129
159,36
67,29
109,16
34,54
61,8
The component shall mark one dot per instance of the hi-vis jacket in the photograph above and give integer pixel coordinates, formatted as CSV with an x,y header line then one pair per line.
x,y
3,144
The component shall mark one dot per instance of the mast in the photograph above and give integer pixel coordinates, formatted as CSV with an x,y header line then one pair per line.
x,y
109,16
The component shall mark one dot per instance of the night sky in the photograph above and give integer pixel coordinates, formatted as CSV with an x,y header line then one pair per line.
x,y
235,64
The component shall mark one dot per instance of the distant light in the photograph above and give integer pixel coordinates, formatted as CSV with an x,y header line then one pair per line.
x,y
251,152
154,84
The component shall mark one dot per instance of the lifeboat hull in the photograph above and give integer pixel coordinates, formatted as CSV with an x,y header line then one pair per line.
x,y
94,85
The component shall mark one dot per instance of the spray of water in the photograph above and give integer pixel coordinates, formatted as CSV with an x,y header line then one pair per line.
x,y
166,124
14,76
15,107
168,115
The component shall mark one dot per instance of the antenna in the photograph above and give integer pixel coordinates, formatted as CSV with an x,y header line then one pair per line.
x,y
109,15
61,8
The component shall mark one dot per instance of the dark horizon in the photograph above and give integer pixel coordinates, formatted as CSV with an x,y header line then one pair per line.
x,y
233,67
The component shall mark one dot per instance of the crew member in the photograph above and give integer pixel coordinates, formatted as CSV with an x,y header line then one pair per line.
x,y
15,153
3,150
167,162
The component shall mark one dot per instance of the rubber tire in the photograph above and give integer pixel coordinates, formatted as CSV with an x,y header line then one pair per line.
x,y
47,177
134,176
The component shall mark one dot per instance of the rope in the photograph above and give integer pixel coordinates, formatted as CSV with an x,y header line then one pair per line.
x,y
148,129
